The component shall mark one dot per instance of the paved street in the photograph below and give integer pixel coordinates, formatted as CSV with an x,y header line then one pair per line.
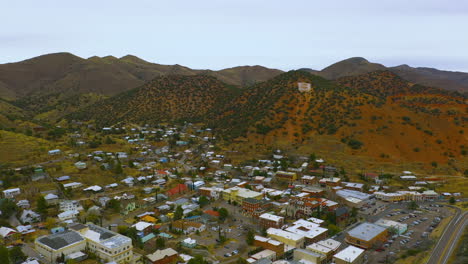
x,y
449,238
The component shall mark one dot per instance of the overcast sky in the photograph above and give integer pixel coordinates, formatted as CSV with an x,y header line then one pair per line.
x,y
216,34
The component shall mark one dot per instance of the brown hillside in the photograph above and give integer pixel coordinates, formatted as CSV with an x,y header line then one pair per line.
x,y
376,114
166,98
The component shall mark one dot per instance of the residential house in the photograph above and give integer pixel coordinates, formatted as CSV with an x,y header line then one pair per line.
x,y
11,193
188,227
164,256
6,232
143,228
80,165
72,185
29,216
23,204
189,242
68,215
51,199
68,205
178,189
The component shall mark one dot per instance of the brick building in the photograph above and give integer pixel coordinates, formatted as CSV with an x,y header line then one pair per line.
x,y
269,220
271,244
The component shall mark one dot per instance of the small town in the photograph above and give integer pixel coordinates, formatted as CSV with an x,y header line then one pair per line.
x,y
170,194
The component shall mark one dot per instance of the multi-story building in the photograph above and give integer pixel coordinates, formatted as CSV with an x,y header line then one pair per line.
x,y
255,207
211,192
308,256
288,238
367,235
271,244
267,220
238,194
70,205
330,182
54,246
313,191
309,180
107,245
310,231
304,206
286,176
349,255
327,247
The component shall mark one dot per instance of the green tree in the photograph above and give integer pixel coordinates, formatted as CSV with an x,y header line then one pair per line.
x,y
7,207
118,167
203,201
17,255
160,243
223,214
413,205
197,259
250,237
179,212
42,206
114,204
4,255
452,200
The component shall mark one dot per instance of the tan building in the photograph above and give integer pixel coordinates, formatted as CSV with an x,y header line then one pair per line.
x,y
288,238
271,244
309,256
367,235
327,247
286,176
238,194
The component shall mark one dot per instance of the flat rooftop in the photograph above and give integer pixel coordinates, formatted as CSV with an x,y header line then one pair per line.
x,y
349,254
60,240
366,231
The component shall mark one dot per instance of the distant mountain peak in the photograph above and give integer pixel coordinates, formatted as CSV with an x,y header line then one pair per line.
x,y
132,58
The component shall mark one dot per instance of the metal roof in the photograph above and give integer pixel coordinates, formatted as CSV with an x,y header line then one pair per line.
x,y
59,240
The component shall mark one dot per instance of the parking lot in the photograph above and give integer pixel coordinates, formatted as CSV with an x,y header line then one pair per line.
x,y
420,223
235,229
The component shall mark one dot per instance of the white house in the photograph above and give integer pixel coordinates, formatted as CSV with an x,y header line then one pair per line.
x,y
68,205
68,215
11,193
29,216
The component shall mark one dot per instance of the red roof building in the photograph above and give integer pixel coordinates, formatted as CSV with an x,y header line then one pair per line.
x,y
178,189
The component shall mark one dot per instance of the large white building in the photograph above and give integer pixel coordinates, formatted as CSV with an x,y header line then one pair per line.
x,y
349,255
54,246
107,245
